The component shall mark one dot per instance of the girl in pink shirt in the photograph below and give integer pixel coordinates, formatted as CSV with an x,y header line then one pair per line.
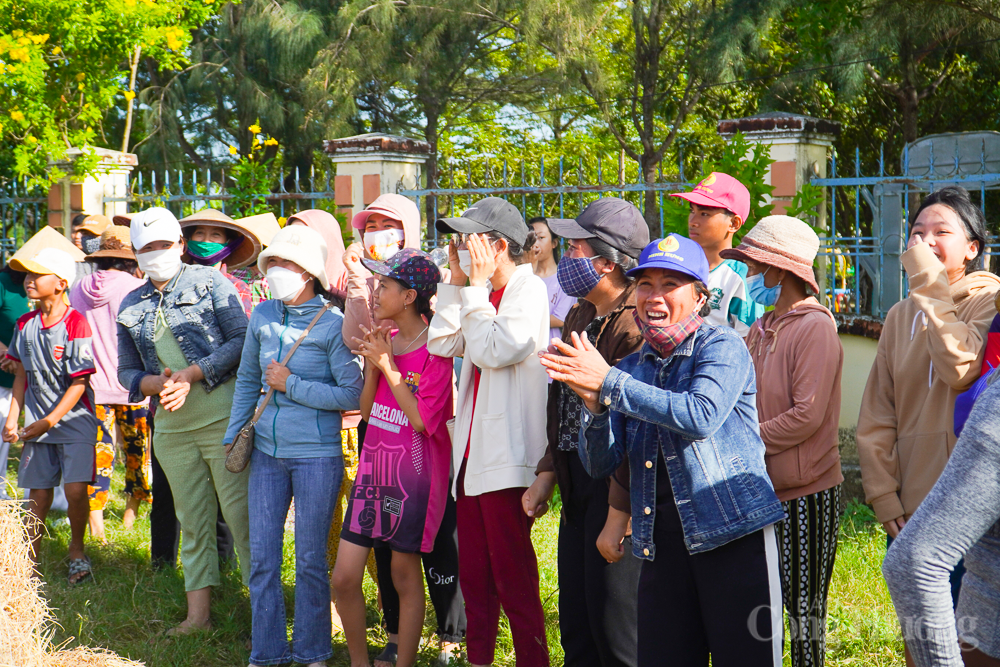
x,y
401,488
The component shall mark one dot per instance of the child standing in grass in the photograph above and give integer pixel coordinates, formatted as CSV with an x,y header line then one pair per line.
x,y
52,346
720,205
401,489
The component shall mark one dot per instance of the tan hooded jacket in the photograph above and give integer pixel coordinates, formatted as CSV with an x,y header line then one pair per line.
x,y
930,351
798,360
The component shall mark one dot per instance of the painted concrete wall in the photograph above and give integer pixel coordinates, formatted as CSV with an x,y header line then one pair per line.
x,y
859,355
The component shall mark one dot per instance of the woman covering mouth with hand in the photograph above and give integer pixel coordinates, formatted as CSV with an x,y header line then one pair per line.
x,y
682,411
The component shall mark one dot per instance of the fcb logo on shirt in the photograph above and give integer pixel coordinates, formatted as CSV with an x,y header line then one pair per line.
x,y
412,381
58,352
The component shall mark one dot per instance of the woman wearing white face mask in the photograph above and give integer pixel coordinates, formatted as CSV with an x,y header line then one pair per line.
x,y
179,340
388,224
297,446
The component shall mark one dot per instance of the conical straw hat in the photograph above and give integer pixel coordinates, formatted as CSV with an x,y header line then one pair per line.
x,y
47,237
246,252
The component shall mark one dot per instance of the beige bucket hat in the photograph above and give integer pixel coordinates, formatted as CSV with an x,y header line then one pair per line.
x,y
783,242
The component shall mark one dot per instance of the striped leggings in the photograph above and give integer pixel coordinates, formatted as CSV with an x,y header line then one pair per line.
x,y
807,539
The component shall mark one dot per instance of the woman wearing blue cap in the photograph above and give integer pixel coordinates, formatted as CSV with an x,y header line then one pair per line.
x,y
682,410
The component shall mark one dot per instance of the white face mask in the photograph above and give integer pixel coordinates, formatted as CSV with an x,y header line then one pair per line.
x,y
465,261
160,265
285,284
383,244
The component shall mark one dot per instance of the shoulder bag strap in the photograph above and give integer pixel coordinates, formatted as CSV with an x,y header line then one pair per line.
x,y
270,391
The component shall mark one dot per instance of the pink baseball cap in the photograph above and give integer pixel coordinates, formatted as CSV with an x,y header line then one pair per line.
x,y
719,190
392,205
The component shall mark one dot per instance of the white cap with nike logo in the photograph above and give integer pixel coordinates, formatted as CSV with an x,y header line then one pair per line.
x,y
154,224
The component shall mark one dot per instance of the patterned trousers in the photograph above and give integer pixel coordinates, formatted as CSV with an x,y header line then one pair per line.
x,y
807,539
132,421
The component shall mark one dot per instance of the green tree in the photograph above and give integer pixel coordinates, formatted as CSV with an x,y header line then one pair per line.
x,y
64,64
421,67
248,65
649,70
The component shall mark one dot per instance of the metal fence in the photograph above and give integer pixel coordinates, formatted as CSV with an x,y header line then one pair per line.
x,y
23,209
560,189
187,190
859,266
869,215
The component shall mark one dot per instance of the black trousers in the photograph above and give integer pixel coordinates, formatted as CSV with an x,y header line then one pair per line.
x,y
441,572
716,603
597,600
165,530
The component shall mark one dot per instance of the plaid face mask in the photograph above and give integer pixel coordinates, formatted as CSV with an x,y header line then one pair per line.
x,y
665,339
577,275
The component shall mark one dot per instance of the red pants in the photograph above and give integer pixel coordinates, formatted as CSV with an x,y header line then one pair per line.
x,y
497,567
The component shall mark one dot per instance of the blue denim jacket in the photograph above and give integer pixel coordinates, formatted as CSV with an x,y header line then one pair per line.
x,y
204,312
701,402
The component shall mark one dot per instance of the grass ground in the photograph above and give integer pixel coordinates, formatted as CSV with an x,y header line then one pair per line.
x,y
129,605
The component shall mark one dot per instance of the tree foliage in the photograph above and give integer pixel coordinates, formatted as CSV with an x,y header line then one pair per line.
x,y
62,68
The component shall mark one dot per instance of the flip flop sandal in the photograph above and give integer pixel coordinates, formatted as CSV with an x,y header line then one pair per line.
x,y
388,654
79,566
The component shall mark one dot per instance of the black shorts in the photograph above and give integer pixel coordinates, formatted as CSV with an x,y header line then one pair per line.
x,y
369,542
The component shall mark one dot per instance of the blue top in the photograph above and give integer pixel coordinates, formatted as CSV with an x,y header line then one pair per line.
x,y
698,405
303,421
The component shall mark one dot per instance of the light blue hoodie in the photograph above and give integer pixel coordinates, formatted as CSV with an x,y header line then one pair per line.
x,y
304,420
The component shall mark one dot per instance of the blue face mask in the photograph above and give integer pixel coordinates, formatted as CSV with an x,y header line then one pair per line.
x,y
765,296
577,275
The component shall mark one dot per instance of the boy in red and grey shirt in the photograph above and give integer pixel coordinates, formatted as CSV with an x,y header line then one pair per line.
x,y
52,346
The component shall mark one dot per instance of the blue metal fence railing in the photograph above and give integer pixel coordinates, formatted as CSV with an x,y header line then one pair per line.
x,y
23,209
860,254
531,188
191,190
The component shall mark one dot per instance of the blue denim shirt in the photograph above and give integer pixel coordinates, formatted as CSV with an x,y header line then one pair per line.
x,y
699,406
204,312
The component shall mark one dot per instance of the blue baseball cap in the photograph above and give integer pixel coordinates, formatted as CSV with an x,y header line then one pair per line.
x,y
674,253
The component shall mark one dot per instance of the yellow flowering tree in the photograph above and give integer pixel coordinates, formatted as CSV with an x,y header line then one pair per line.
x,y
64,64
250,177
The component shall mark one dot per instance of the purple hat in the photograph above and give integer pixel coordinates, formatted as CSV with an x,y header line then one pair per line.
x,y
674,253
414,268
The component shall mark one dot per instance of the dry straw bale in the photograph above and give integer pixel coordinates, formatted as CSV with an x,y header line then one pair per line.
x,y
26,623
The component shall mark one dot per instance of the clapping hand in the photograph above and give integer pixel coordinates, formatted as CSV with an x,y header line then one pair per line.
x,y
352,258
376,348
580,366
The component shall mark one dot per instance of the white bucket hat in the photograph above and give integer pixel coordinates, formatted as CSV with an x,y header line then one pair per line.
x,y
302,245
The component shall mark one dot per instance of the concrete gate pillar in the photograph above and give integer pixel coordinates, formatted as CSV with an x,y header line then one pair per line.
x,y
72,194
369,165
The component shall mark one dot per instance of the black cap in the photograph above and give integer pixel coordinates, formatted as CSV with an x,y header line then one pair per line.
x,y
610,219
488,215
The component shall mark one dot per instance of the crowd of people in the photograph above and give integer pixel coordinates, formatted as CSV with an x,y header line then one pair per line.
x,y
682,393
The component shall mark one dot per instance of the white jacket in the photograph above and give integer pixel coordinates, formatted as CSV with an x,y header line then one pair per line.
x,y
508,429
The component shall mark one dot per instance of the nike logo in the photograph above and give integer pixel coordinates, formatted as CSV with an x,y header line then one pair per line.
x,y
147,223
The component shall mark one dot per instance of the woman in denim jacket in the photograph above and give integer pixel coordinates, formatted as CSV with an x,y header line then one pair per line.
x,y
297,445
179,340
683,411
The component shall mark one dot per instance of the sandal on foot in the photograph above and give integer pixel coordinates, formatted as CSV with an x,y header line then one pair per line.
x,y
388,654
79,566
